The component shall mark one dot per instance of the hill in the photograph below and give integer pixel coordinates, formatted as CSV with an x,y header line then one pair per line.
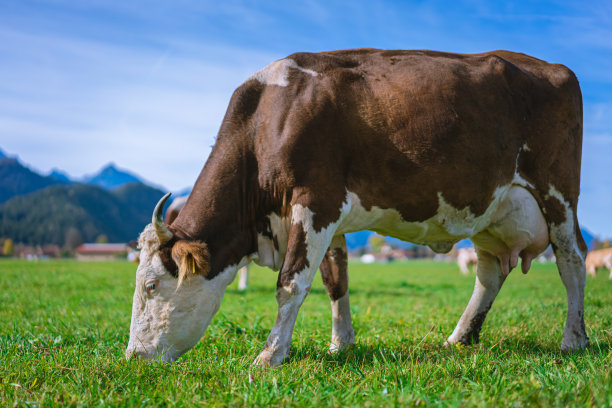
x,y
16,179
110,177
60,175
47,215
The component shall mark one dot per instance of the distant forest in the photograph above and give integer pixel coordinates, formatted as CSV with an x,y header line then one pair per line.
x,y
63,214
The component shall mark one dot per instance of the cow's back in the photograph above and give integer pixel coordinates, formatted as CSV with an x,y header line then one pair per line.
x,y
419,121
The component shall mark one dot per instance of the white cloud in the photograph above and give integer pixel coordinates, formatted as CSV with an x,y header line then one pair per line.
x,y
90,103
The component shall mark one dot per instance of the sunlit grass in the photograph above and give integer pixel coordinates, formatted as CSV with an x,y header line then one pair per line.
x,y
64,326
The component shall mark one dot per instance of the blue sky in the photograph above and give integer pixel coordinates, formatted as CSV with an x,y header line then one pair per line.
x,y
146,84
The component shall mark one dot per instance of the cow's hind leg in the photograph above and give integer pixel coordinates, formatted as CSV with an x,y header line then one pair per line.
x,y
489,279
570,252
334,273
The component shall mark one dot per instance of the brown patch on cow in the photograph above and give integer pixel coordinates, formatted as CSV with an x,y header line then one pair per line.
x,y
192,258
296,259
334,273
555,210
394,127
165,254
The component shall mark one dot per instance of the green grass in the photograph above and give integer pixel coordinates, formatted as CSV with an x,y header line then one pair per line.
x,y
64,327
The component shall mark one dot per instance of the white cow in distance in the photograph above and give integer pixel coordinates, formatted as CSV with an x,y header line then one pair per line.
x,y
600,258
465,258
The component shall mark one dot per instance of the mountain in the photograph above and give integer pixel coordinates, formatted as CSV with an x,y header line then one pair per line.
x,y
180,193
2,154
588,237
110,177
140,196
60,176
46,216
16,179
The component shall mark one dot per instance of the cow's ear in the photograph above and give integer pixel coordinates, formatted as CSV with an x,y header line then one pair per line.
x,y
192,258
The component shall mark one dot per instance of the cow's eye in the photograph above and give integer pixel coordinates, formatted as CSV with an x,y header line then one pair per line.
x,y
151,285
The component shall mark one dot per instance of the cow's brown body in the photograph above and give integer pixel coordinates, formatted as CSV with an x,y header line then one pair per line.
x,y
351,140
396,128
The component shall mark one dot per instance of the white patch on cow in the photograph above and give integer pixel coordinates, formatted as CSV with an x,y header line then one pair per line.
x,y
171,320
277,72
449,224
559,233
343,335
520,181
267,254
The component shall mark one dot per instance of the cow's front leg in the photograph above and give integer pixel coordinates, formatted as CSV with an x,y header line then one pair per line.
x,y
305,251
335,278
489,279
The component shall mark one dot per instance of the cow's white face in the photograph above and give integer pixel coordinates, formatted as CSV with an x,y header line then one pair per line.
x,y
169,314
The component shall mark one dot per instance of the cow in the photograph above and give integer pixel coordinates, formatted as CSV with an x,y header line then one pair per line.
x,y
465,258
317,145
600,258
173,211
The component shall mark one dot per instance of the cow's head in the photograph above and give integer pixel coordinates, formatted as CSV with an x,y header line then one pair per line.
x,y
174,299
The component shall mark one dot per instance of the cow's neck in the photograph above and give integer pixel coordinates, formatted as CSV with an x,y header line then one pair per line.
x,y
221,210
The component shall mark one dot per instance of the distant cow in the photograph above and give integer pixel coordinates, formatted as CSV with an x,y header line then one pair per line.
x,y
173,211
465,258
601,258
315,146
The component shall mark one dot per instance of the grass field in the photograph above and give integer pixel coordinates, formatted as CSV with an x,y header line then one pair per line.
x,y
64,326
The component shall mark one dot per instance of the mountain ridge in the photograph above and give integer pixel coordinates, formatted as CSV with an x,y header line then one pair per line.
x,y
91,210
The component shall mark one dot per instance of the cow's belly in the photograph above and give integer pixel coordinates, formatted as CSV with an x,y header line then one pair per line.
x,y
445,228
513,225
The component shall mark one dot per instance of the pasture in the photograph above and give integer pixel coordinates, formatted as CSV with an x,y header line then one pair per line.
x,y
64,326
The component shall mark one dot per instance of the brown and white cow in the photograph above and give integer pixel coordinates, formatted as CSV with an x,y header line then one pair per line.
x,y
314,146
600,258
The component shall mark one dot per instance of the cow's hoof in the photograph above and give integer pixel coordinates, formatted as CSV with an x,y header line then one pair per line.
x,y
339,347
268,359
451,344
574,343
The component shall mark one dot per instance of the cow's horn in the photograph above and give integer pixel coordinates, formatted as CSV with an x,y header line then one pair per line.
x,y
163,233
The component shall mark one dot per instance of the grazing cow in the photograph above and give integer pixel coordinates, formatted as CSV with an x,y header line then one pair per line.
x,y
173,211
601,258
465,258
314,146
